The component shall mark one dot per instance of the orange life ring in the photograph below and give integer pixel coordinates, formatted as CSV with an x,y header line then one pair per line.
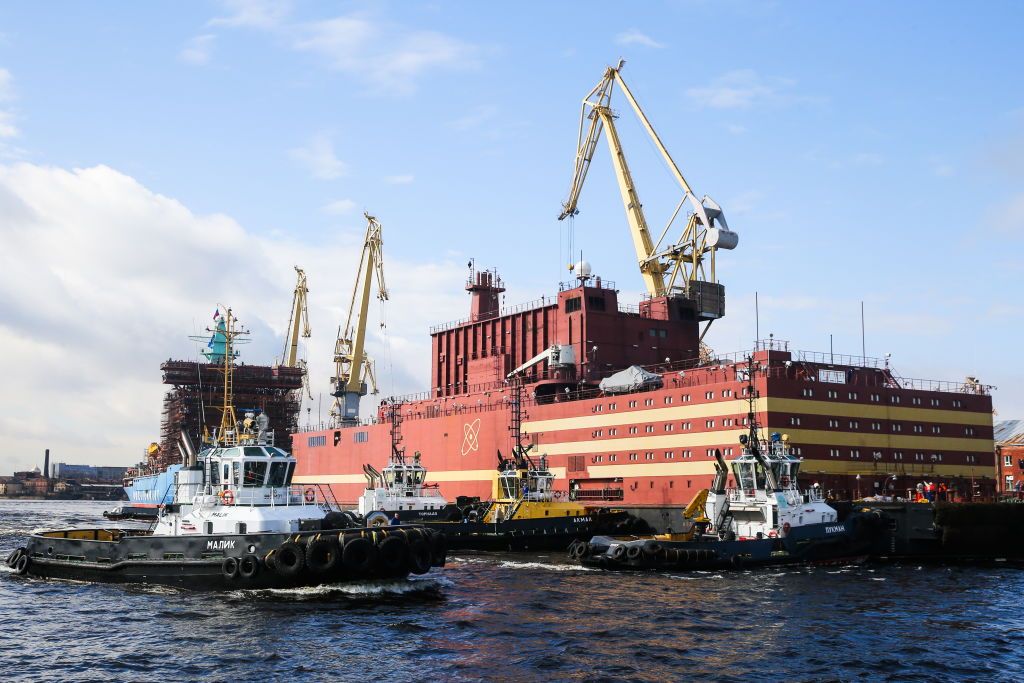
x,y
228,496
310,495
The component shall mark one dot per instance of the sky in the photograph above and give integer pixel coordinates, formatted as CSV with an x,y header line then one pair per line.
x,y
160,160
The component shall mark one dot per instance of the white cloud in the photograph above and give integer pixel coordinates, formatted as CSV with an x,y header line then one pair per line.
x,y
197,50
636,37
736,129
263,14
745,88
319,158
403,179
340,207
387,57
122,275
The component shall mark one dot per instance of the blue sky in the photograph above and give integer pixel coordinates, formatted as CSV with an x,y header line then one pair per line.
x,y
863,151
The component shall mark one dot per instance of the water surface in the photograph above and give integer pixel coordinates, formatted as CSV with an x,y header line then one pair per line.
x,y
516,617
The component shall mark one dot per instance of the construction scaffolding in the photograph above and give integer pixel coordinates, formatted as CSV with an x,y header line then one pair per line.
x,y
196,398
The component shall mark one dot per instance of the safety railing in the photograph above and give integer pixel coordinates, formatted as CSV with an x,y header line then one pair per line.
x,y
501,312
609,494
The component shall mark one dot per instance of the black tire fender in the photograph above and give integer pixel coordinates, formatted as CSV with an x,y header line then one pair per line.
x,y
359,555
229,568
289,560
439,547
15,555
334,520
391,554
419,557
249,566
633,552
23,563
322,554
618,552
652,548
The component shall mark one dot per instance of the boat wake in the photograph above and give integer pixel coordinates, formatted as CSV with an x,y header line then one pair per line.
x,y
508,564
358,589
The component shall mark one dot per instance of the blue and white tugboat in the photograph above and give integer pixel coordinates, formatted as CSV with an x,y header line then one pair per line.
x,y
765,519
236,521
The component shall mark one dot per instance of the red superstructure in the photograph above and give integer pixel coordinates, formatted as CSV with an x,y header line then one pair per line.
x,y
861,429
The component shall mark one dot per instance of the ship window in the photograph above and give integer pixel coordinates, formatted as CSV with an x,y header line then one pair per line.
x,y
315,441
215,474
360,437
596,302
227,473
254,452
278,470
572,305
236,474
255,473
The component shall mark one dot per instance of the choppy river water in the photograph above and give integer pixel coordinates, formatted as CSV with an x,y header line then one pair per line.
x,y
516,617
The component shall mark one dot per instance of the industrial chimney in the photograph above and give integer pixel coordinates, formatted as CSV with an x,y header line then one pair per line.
x,y
46,464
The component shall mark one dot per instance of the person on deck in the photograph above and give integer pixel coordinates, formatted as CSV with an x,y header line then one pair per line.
x,y
395,521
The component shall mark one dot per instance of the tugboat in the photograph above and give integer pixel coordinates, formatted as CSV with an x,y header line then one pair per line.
x,y
765,520
236,521
526,513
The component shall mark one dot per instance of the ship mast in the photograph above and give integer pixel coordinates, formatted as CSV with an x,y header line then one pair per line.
x,y
221,349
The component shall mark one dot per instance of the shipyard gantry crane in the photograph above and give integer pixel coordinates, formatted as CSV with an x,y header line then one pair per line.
x,y
675,269
299,317
354,370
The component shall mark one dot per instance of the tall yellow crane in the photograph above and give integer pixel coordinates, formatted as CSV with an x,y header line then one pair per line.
x,y
353,368
299,317
668,270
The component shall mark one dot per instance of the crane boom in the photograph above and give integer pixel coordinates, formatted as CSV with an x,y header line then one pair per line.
x,y
299,317
706,231
353,367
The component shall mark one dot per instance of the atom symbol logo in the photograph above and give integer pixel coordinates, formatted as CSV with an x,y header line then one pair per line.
x,y
471,436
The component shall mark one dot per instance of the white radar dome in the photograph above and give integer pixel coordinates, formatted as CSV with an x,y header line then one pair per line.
x,y
583,269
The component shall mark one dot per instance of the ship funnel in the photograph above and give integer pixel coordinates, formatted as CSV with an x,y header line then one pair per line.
x,y
186,443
